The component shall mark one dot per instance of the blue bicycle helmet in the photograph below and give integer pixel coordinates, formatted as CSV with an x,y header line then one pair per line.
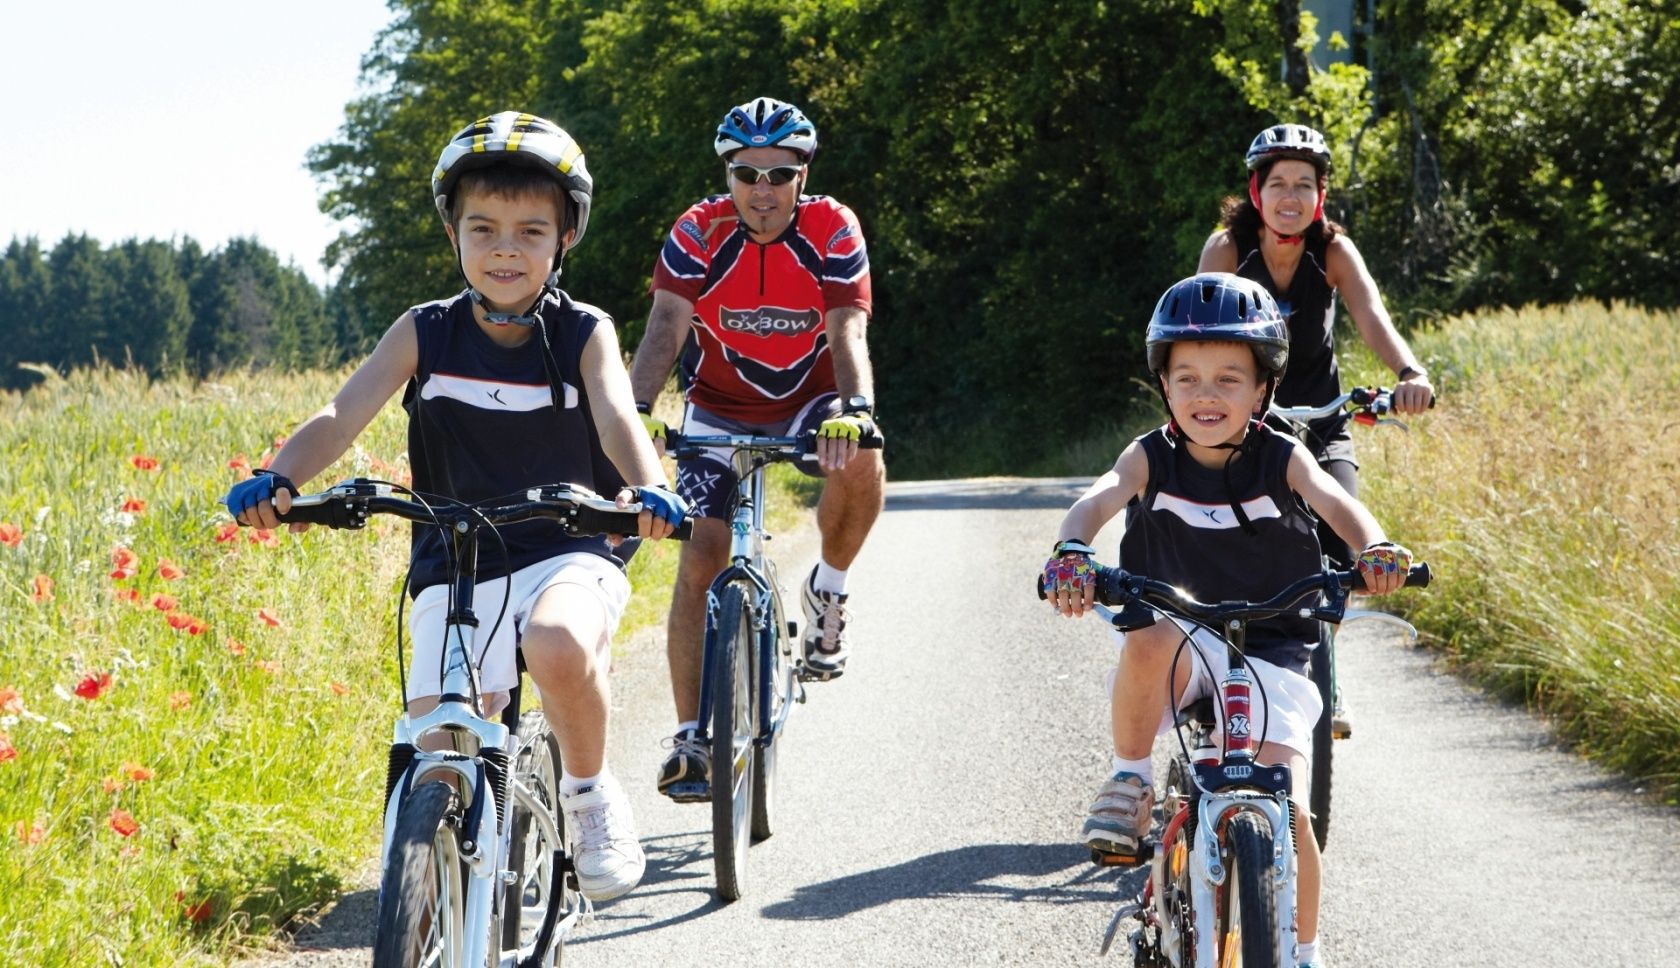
x,y
1224,307
764,123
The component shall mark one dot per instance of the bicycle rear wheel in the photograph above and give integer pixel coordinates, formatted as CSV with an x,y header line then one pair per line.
x,y
1247,923
530,854
1323,674
733,730
779,646
422,893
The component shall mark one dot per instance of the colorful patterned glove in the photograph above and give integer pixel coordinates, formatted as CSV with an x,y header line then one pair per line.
x,y
1069,569
847,426
1383,558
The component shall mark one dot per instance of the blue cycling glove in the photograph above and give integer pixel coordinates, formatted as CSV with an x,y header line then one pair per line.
x,y
254,490
667,505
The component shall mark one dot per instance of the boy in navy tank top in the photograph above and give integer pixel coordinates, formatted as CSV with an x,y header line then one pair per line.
x,y
511,384
1214,505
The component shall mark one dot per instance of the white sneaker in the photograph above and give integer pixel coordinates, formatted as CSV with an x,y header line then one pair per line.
x,y
607,855
825,631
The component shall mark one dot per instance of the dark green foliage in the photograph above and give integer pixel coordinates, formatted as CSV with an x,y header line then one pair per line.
x,y
159,306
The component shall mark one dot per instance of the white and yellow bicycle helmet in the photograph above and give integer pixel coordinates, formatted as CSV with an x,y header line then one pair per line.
x,y
517,138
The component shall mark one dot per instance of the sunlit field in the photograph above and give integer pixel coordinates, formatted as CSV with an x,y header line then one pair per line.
x,y
193,717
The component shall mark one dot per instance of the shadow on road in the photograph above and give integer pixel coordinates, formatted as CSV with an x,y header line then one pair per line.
x,y
348,923
994,492
1007,872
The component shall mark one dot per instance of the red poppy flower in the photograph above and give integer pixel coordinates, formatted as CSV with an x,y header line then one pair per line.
x,y
31,833
7,750
182,622
133,506
93,685
164,603
239,463
10,534
235,646
340,688
11,701
112,784
268,617
264,536
227,532
43,589
169,571
144,462
137,773
198,913
123,823
124,563
129,595
180,699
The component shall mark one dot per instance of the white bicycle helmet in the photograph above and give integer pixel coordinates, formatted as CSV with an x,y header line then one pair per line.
x,y
516,138
764,123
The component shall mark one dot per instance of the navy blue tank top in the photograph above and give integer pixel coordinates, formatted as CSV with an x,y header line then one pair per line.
x,y
482,423
1183,531
1312,378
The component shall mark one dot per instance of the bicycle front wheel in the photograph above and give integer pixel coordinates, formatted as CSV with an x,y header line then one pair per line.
x,y
1247,923
733,730
778,690
530,854
1322,671
422,893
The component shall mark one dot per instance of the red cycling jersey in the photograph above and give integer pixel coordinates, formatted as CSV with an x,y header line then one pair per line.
x,y
757,350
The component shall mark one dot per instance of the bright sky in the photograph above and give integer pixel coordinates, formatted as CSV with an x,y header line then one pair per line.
x,y
176,118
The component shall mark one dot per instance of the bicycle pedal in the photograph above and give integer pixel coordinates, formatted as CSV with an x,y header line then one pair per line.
x,y
1144,854
1341,727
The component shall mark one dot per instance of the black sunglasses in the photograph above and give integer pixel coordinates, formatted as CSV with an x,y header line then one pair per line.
x,y
750,174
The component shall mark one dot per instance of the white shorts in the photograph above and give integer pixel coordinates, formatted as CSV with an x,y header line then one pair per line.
x,y
1292,704
496,657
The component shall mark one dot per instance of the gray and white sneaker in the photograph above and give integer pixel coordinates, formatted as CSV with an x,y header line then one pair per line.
x,y
825,631
1119,817
607,855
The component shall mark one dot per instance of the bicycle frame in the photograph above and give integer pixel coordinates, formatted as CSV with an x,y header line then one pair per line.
x,y
479,755
1235,783
748,563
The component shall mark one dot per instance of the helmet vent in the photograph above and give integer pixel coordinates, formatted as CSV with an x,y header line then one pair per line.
x,y
1242,306
1208,289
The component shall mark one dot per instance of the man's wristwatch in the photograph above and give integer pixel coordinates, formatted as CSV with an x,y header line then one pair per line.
x,y
859,403
1407,372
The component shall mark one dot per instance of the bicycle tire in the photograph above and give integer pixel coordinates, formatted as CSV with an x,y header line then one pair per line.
x,y
422,891
733,730
779,645
1322,671
1252,928
530,857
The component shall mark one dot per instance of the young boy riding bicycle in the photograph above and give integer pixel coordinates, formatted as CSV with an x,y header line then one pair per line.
x,y
511,384
1214,505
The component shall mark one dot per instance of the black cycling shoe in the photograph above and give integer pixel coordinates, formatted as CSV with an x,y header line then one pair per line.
x,y
685,775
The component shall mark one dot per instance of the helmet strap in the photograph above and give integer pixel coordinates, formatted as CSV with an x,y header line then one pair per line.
x,y
1254,198
529,316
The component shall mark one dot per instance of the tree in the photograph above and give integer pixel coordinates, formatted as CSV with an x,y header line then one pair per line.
x,y
151,312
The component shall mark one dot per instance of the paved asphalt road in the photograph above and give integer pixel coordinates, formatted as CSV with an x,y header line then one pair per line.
x,y
931,798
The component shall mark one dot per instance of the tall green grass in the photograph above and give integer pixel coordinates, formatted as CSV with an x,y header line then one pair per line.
x,y
1543,491
248,756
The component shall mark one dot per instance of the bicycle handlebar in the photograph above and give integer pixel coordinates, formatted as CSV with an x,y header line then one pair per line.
x,y
1117,587
683,447
578,510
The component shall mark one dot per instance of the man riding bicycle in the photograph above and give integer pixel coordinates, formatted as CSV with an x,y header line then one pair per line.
x,y
766,293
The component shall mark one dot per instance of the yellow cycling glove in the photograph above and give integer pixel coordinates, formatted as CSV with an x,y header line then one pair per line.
x,y
655,427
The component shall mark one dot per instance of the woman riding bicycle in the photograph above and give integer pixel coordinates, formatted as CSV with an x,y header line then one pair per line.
x,y
1214,504
1278,236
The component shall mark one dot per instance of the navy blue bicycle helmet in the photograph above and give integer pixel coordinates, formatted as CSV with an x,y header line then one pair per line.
x,y
1224,307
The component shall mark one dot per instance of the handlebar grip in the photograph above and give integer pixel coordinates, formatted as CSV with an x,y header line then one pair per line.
x,y
328,511
1418,576
592,520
